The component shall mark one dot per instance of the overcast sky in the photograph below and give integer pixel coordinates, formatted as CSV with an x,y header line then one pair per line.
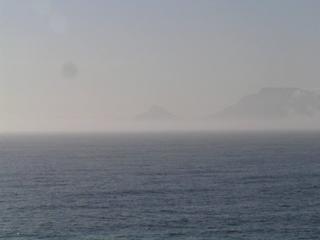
x,y
76,64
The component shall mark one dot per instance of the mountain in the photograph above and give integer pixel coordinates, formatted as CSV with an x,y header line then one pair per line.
x,y
274,103
156,113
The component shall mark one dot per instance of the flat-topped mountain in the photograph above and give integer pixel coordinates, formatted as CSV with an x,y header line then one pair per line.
x,y
156,113
274,103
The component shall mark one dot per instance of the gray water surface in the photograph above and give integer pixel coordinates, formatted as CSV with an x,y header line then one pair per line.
x,y
160,186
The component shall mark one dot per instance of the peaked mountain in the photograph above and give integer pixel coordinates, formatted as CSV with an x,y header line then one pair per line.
x,y
156,113
274,103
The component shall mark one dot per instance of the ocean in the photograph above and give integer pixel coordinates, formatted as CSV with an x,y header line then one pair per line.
x,y
250,186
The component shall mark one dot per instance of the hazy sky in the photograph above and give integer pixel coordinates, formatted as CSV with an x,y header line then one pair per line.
x,y
76,64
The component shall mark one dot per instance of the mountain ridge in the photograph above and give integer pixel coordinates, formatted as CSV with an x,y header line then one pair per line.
x,y
274,103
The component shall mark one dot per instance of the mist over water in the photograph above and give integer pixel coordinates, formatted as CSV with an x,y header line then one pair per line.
x,y
268,109
159,119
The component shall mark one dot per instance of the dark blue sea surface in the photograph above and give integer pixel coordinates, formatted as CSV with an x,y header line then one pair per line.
x,y
160,186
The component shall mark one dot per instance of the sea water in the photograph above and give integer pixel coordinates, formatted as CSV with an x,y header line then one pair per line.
x,y
160,186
